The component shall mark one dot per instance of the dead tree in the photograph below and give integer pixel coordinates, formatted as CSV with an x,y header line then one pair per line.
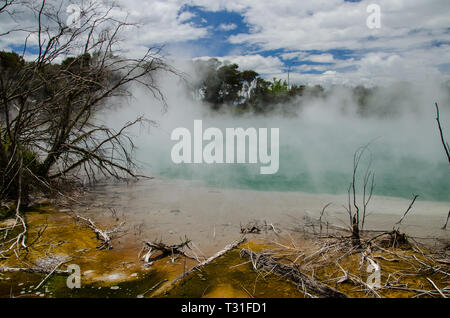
x,y
48,107
356,216
49,131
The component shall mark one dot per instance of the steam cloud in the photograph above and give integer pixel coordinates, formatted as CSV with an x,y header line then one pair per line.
x,y
317,142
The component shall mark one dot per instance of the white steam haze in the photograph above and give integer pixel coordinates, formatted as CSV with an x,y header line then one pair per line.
x,y
319,139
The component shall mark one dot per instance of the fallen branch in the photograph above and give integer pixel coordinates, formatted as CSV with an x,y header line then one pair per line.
x,y
251,229
49,274
268,264
101,234
225,250
164,249
33,270
154,287
434,285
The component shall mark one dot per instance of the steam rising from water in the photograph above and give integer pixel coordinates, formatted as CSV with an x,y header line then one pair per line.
x,y
317,141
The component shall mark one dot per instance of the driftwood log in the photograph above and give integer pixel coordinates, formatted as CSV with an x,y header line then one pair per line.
x,y
225,250
266,263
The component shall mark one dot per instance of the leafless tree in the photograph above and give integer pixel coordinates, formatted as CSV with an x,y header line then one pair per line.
x,y
357,220
48,108
48,128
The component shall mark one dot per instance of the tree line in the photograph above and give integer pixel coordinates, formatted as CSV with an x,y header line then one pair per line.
x,y
223,85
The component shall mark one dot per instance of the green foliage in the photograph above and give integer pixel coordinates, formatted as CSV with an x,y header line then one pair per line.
x,y
30,166
278,88
77,64
249,75
244,90
10,61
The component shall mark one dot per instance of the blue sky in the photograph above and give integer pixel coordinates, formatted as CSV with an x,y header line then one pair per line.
x,y
318,41
222,24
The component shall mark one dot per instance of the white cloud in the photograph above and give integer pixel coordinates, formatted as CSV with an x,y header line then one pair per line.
x,y
305,56
227,27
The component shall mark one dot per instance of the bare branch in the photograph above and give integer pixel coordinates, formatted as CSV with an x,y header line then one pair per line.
x,y
444,143
409,208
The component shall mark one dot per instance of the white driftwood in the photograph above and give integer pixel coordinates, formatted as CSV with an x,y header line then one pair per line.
x,y
225,250
101,234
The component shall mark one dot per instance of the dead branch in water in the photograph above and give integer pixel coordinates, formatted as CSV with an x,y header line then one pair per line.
x,y
268,264
250,229
101,234
225,250
49,274
446,222
409,208
152,247
255,227
154,287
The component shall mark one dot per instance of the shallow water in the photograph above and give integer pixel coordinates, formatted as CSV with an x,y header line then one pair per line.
x,y
169,210
316,151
